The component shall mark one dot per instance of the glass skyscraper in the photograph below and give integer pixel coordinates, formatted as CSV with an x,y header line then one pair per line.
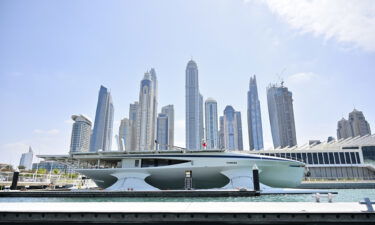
x,y
102,133
81,132
146,118
211,125
254,120
194,108
232,129
280,109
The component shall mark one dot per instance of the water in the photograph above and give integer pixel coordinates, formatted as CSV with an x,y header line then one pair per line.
x,y
344,195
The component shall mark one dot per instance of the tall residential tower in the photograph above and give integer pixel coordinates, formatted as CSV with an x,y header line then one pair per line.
x,y
211,125
81,132
146,117
280,109
254,120
194,108
102,134
232,129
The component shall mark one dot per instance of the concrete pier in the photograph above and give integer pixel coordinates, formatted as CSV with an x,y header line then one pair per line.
x,y
129,194
186,213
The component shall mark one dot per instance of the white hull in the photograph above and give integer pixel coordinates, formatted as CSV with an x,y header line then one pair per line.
x,y
225,170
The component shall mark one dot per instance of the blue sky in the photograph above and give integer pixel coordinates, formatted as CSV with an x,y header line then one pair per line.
x,y
54,55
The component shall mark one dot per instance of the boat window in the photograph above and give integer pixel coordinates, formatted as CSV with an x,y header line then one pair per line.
x,y
136,163
160,162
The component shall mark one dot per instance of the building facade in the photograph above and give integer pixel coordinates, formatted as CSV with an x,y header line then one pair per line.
x,y
221,133
81,133
211,124
280,109
355,126
232,129
254,120
358,123
133,115
103,126
124,135
146,117
169,111
194,108
343,129
27,159
162,132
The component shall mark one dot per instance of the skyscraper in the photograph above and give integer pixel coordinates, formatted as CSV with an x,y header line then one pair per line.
x,y
169,111
194,108
211,125
254,120
343,129
133,115
27,159
81,132
221,133
358,123
102,134
280,109
232,129
355,126
162,132
124,135
146,118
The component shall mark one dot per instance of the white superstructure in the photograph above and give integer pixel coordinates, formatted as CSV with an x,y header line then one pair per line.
x,y
211,169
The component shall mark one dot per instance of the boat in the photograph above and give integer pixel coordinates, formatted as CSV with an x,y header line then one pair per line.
x,y
166,170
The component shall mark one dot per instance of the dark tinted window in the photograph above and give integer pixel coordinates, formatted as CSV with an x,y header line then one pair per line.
x,y
331,159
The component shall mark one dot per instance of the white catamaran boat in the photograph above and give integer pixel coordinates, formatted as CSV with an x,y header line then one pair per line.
x,y
165,170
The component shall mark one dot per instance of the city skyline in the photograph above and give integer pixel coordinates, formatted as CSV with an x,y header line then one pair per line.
x,y
112,43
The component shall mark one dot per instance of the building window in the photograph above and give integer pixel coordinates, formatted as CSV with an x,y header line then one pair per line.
x,y
309,158
337,158
315,158
347,158
331,158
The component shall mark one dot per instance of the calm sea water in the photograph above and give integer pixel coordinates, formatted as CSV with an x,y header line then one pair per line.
x,y
344,195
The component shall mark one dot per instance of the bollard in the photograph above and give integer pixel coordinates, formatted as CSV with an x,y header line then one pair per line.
x,y
256,178
15,180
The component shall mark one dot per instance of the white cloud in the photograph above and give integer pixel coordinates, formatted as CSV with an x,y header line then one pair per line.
x,y
48,132
303,77
348,22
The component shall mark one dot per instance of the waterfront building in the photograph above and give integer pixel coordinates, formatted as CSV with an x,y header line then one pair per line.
x,y
146,117
232,129
81,133
102,133
358,123
343,129
221,132
211,125
194,108
169,112
355,126
254,120
124,135
51,165
27,159
133,115
280,109
351,158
